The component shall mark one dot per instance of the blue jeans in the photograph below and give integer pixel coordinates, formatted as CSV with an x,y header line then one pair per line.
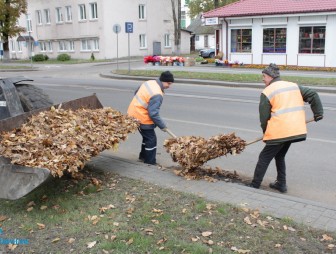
x,y
278,152
148,146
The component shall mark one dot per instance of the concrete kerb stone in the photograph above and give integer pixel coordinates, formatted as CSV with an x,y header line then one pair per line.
x,y
314,214
208,82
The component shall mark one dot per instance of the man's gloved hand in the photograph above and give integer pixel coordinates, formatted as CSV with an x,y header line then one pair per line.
x,y
318,118
164,129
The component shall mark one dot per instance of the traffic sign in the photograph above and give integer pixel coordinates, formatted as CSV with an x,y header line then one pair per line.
x,y
116,28
129,27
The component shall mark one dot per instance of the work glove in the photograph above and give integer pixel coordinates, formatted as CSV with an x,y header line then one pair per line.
x,y
164,129
318,117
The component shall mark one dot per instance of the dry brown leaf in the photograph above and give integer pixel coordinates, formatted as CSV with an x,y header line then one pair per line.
x,y
3,218
29,209
71,240
331,246
44,207
247,220
325,237
41,226
130,241
11,246
90,245
206,233
278,245
56,240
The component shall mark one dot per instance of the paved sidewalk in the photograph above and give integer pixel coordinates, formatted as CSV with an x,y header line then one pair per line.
x,y
314,214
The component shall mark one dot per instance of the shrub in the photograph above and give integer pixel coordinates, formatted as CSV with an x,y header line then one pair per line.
x,y
63,57
92,57
199,59
46,57
38,58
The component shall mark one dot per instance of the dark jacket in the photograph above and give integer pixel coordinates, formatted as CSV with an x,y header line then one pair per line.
x,y
308,95
154,110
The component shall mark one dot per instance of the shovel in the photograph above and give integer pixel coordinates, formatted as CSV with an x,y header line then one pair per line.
x,y
260,138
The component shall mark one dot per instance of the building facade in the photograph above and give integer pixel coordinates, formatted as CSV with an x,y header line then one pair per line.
x,y
289,32
85,28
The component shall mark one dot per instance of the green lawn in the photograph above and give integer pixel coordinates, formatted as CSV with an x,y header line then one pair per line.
x,y
122,215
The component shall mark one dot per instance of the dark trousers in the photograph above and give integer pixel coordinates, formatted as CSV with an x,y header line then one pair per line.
x,y
278,152
148,146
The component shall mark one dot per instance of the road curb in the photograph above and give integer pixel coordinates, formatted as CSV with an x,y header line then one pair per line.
x,y
209,82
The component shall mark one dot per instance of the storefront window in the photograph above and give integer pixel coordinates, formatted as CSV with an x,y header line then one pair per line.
x,y
241,40
274,40
312,40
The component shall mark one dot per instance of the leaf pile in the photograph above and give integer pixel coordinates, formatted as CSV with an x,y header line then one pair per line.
x,y
192,152
63,140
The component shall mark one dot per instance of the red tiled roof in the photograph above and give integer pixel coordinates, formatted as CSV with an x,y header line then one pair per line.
x,y
271,7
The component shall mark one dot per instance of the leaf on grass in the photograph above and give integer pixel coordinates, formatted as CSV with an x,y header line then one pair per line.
x,y
91,244
206,233
325,237
43,207
184,210
116,224
31,203
71,240
157,210
161,241
331,246
11,246
3,218
278,245
247,220
155,221
113,237
56,240
130,241
149,231
41,226
30,209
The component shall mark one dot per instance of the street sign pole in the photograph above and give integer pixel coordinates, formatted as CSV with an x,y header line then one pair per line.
x,y
117,29
129,29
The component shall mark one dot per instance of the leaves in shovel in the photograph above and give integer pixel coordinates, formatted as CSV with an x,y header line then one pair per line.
x,y
191,152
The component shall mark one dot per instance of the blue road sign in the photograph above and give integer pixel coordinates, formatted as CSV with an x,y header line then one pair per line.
x,y
129,27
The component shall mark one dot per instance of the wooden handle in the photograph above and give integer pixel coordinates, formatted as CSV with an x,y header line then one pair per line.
x,y
260,138
171,134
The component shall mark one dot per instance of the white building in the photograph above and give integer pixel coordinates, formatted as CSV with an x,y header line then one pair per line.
x,y
80,28
285,32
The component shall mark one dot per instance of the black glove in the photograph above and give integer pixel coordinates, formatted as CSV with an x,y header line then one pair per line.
x,y
318,118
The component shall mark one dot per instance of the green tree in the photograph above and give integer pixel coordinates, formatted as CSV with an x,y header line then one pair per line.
x,y
10,11
200,6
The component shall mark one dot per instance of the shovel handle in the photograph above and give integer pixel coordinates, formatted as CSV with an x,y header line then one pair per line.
x,y
260,138
171,134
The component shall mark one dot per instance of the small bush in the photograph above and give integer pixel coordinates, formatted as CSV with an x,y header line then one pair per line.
x,y
92,57
63,57
199,59
46,57
38,58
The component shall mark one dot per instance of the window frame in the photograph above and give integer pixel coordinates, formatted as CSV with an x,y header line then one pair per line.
x,y
82,12
142,41
167,43
68,12
59,15
47,16
275,40
39,17
93,11
312,39
243,38
142,12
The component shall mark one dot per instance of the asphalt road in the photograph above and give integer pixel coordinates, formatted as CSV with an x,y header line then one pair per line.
x,y
206,111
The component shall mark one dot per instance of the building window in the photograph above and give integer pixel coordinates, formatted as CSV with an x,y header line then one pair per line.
x,y
71,46
274,40
82,12
95,44
29,23
206,41
68,13
94,12
19,46
143,41
85,45
47,16
312,39
49,46
62,46
183,19
43,46
197,38
167,40
12,43
241,40
39,17
59,15
142,11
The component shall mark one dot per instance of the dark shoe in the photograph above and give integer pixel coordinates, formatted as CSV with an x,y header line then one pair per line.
x,y
252,186
278,186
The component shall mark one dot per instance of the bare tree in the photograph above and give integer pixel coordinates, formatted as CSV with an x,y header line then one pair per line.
x,y
176,8
10,11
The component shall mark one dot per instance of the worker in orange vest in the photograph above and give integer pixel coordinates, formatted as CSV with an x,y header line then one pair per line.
x,y
282,118
145,107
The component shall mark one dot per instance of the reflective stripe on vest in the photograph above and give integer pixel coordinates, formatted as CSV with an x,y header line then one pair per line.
x,y
287,112
139,104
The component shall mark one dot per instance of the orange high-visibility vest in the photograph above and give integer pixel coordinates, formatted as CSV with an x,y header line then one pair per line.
x,y
287,114
139,104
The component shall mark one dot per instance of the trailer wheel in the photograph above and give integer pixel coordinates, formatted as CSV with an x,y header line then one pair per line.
x,y
32,97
